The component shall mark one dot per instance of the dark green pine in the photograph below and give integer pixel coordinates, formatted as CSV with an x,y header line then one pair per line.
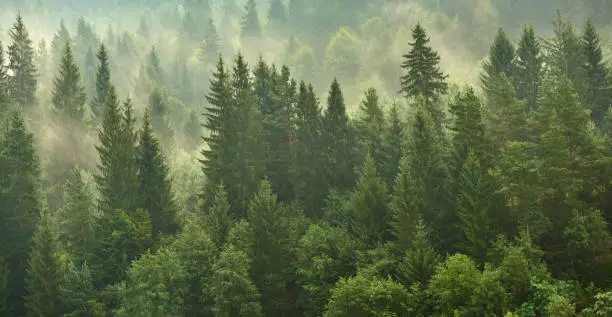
x,y
102,84
154,187
68,95
43,272
24,81
422,71
250,25
20,204
528,73
598,94
501,59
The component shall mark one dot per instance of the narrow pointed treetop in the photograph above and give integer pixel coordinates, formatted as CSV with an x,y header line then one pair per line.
x,y
251,26
598,93
422,71
501,59
102,83
527,77
68,91
21,63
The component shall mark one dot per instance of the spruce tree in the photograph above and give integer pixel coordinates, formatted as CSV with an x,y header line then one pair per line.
x,y
507,116
68,92
77,219
77,293
154,186
60,39
469,129
43,272
250,25
23,82
116,179
159,123
371,125
598,93
102,84
501,60
528,71
20,204
393,145
4,84
309,155
217,218
339,141
154,69
210,47
422,71
419,262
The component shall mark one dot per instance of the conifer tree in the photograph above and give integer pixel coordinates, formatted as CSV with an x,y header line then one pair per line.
x,y
309,186
43,272
527,77
368,205
217,218
422,71
507,115
154,186
23,82
77,293
4,84
210,47
117,176
277,15
469,129
393,145
420,260
60,39
406,205
154,69
250,26
102,84
371,127
339,141
68,92
159,123
501,60
77,219
20,204
235,293
598,93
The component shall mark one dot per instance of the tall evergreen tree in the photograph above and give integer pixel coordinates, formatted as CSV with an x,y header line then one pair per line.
x,y
154,69
158,111
422,71
77,219
370,127
210,47
23,82
117,174
420,260
4,84
309,155
20,205
528,71
507,115
339,141
598,93
43,272
103,84
251,25
217,218
68,92
393,145
77,293
501,60
469,129
154,187
60,39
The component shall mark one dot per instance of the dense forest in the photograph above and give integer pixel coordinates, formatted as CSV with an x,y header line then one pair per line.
x,y
305,158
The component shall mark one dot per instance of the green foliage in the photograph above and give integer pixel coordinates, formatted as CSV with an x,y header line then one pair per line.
x,y
251,25
423,76
77,220
43,272
420,260
501,60
528,73
103,84
77,293
68,91
324,255
217,218
23,83
154,186
363,296
597,95
602,306
235,293
342,55
20,204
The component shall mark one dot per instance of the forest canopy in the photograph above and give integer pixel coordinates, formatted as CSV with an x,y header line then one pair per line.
x,y
305,158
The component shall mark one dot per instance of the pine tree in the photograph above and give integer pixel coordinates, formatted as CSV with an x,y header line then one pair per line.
x,y
102,84
501,60
154,69
23,82
423,75
506,114
469,129
210,47
68,92
528,68
393,145
217,218
60,39
420,260
250,26
371,126
77,293
339,141
309,186
159,123
598,94
19,204
77,219
235,293
154,186
368,206
117,174
43,272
